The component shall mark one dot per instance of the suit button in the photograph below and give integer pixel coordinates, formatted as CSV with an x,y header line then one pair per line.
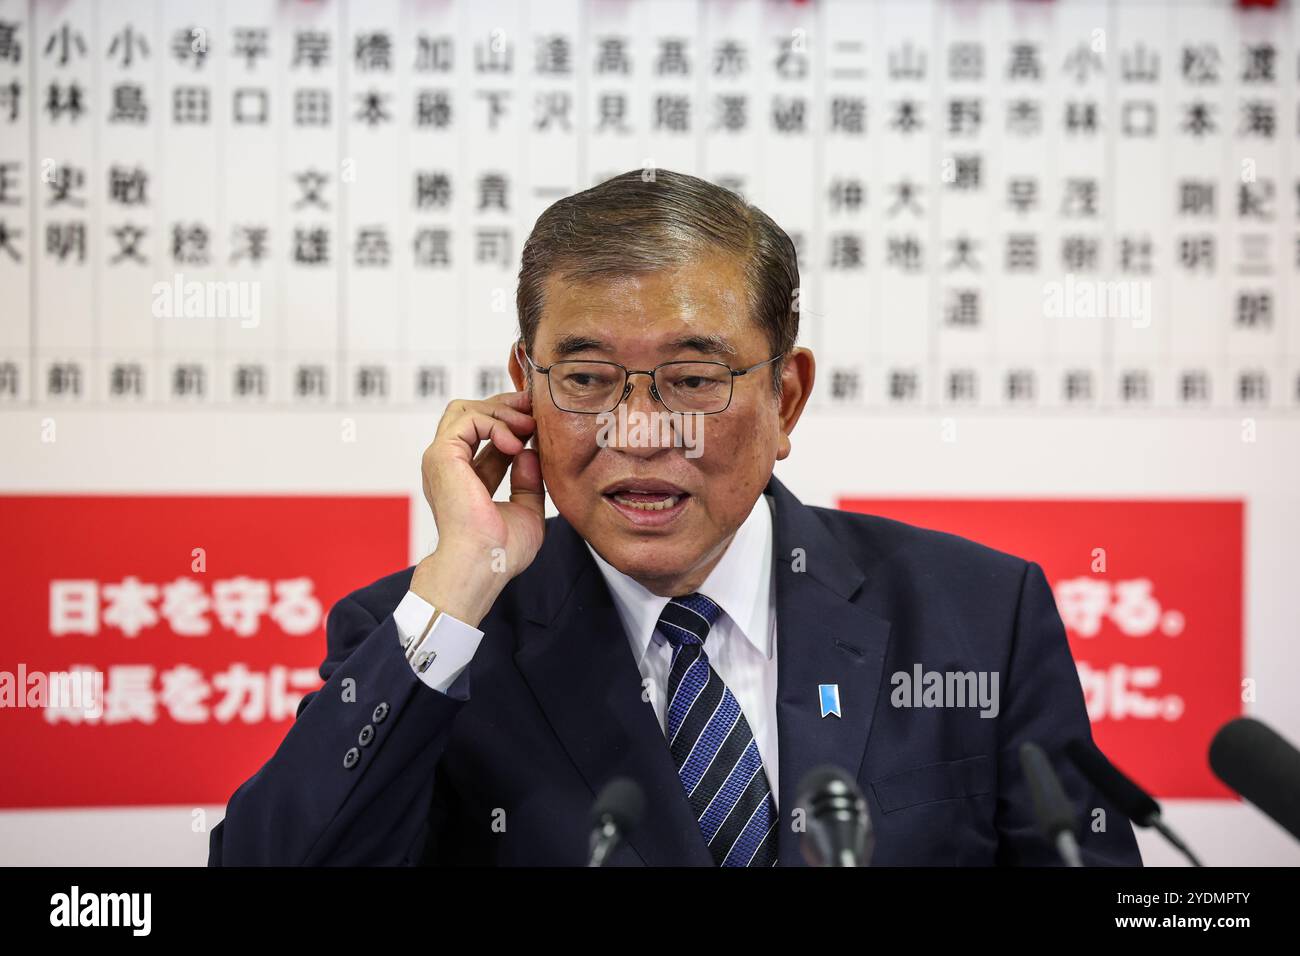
x,y
367,734
351,757
380,713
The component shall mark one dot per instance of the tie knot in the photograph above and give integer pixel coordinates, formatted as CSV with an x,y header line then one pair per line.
x,y
686,620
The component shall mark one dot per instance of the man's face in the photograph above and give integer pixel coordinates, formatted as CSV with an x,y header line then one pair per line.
x,y
659,515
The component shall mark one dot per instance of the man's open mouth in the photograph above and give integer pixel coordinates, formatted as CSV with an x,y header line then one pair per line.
x,y
646,497
646,501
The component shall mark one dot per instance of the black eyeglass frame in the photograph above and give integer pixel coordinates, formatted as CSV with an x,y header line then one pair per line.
x,y
627,379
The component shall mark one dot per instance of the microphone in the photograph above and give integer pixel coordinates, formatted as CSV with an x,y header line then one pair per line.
x,y
617,812
1134,802
1053,810
838,828
1252,759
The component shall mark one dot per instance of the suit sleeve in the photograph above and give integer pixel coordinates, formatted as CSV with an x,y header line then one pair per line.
x,y
1042,703
352,782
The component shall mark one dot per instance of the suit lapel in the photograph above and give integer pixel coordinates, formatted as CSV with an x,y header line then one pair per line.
x,y
575,658
578,664
822,638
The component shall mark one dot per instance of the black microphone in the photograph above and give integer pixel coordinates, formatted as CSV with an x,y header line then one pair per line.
x,y
1051,807
1263,767
1132,801
837,826
617,812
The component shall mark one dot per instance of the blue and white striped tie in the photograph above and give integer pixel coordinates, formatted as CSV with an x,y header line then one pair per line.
x,y
712,745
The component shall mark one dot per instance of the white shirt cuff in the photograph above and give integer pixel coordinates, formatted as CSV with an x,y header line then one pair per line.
x,y
446,650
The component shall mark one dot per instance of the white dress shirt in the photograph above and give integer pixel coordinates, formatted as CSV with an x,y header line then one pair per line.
x,y
447,648
741,645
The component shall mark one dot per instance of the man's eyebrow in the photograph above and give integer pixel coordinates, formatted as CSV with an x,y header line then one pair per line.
x,y
708,344
571,344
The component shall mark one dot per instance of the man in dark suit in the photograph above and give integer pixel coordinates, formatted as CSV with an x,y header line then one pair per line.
x,y
685,622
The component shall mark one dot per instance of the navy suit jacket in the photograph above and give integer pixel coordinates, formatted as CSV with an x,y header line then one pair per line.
x,y
555,711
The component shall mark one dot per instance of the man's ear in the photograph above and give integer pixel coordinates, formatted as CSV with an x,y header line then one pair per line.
x,y
517,373
797,376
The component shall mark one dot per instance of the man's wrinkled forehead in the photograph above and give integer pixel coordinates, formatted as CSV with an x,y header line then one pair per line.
x,y
701,305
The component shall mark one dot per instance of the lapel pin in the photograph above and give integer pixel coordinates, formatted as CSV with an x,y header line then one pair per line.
x,y
830,699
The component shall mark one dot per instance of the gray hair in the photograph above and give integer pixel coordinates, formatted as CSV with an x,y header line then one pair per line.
x,y
641,222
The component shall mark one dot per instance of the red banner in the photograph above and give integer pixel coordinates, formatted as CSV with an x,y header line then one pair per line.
x,y
1151,596
157,647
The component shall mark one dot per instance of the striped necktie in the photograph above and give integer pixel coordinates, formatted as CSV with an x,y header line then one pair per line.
x,y
715,752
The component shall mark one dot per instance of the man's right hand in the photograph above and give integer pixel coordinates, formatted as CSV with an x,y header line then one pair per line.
x,y
482,544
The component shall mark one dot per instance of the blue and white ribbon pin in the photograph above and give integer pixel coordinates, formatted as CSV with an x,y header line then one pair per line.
x,y
830,699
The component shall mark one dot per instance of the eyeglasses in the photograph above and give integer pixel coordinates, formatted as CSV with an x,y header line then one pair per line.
x,y
689,388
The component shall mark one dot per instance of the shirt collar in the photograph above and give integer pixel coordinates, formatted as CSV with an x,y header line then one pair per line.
x,y
740,583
